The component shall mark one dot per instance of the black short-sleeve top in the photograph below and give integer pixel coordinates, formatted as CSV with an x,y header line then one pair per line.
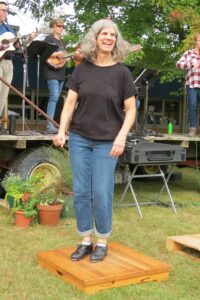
x,y
101,94
49,73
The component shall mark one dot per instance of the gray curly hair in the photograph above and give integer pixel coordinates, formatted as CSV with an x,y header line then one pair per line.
x,y
88,46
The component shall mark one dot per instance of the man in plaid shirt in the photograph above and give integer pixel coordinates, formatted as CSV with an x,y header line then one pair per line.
x,y
190,61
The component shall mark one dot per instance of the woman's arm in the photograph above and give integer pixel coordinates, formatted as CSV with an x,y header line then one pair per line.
x,y
119,142
66,117
184,62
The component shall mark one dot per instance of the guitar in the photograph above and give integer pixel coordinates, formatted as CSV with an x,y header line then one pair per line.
x,y
8,40
58,63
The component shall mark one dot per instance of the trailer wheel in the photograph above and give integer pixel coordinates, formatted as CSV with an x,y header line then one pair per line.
x,y
149,169
153,169
34,161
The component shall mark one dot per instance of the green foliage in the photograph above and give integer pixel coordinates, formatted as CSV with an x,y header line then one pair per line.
x,y
23,192
51,195
61,158
15,186
165,28
28,207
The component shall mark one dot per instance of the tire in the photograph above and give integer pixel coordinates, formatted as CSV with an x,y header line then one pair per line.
x,y
2,174
34,161
153,169
148,169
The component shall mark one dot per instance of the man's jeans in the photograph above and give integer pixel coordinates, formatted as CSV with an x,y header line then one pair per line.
x,y
192,104
93,184
55,88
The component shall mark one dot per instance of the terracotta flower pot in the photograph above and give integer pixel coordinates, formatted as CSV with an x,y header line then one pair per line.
x,y
21,220
49,215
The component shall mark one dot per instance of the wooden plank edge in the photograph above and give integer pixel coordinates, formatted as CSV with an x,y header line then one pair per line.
x,y
176,244
86,283
111,284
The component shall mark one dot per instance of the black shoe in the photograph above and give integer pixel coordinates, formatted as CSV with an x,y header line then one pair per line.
x,y
82,251
99,253
3,131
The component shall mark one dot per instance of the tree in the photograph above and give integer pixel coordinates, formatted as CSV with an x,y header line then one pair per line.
x,y
164,28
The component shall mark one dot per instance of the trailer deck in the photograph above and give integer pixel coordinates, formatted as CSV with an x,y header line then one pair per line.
x,y
21,137
31,135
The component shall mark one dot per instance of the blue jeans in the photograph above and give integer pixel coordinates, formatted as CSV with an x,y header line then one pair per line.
x,y
93,184
55,88
192,104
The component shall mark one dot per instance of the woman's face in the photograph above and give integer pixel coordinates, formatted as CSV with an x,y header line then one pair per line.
x,y
106,40
58,28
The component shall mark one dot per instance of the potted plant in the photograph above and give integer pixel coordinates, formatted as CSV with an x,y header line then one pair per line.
x,y
21,196
49,204
25,213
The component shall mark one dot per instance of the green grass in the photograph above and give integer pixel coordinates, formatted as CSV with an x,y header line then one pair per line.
x,y
22,278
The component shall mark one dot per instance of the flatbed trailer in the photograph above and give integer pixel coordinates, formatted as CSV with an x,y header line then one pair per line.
x,y
24,151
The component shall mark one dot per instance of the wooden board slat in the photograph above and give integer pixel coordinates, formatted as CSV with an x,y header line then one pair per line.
x,y
179,242
122,266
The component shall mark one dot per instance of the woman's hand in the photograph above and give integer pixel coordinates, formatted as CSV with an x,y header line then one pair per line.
x,y
119,142
59,140
118,146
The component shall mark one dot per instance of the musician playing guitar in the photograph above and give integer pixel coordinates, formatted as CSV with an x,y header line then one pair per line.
x,y
6,66
55,76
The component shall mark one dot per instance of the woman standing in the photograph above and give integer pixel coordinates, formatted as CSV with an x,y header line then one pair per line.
x,y
99,90
54,76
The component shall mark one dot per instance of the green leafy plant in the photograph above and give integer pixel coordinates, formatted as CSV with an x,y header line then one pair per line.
x,y
50,195
28,205
60,157
15,186
23,193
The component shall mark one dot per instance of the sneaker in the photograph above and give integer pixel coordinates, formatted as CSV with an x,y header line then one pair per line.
x,y
192,131
51,130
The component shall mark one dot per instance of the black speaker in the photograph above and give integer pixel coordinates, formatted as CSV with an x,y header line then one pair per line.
x,y
140,151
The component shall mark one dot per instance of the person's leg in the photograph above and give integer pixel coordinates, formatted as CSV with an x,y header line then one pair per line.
x,y
61,83
103,170
80,158
6,71
192,106
54,87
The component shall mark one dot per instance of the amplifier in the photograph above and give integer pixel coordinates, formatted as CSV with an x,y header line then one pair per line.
x,y
140,151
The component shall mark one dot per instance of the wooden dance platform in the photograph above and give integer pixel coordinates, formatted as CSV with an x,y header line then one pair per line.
x,y
121,267
183,243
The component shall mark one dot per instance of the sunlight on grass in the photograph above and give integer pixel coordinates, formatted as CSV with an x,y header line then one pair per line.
x,y
22,278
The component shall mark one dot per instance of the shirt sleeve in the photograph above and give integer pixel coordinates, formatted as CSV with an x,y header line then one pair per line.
x,y
48,39
184,62
129,88
72,83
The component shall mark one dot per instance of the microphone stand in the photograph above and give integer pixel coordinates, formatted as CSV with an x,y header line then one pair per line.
x,y
25,78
